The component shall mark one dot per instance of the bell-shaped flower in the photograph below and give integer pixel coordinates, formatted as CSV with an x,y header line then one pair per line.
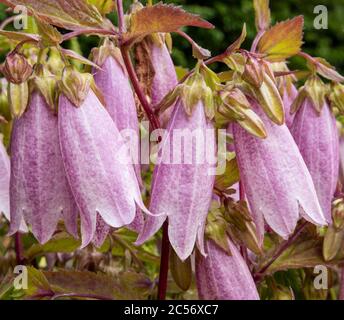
x,y
96,158
39,191
113,82
278,185
224,276
182,186
316,135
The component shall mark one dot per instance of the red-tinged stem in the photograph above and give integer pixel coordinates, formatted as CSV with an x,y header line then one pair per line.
x,y
77,33
284,246
165,251
120,14
19,249
154,121
256,40
341,288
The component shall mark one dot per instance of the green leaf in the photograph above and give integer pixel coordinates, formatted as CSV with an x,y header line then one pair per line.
x,y
231,175
61,242
181,271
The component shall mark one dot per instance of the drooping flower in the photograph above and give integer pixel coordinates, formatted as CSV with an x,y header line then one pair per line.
x,y
96,158
220,276
278,185
39,190
316,135
182,189
114,84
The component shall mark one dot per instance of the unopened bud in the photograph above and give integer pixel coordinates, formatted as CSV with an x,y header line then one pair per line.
x,y
16,68
338,214
253,73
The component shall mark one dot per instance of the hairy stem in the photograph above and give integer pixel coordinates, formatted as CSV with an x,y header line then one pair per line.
x,y
19,249
120,14
256,40
154,121
284,246
165,251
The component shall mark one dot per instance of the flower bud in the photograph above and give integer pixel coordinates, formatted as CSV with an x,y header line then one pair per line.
x,y
338,214
278,185
39,190
220,276
16,68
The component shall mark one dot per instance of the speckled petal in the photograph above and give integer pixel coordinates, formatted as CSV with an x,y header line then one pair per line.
x,y
220,276
165,78
39,190
181,191
98,166
317,138
276,179
120,103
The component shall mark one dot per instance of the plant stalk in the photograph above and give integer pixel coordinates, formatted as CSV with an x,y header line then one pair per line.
x,y
19,249
284,246
155,123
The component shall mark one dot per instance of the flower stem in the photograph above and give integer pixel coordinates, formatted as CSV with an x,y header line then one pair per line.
x,y
165,251
19,249
120,14
284,246
155,123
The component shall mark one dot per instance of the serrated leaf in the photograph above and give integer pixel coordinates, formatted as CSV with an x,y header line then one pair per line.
x,y
161,18
68,14
327,70
262,13
283,40
103,6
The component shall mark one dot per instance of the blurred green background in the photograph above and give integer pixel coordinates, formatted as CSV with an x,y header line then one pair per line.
x,y
229,15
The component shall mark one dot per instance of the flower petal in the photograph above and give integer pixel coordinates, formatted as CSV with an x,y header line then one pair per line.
x,y
317,138
39,189
220,276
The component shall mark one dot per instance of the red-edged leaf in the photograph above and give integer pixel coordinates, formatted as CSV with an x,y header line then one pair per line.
x,y
68,14
161,18
283,40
